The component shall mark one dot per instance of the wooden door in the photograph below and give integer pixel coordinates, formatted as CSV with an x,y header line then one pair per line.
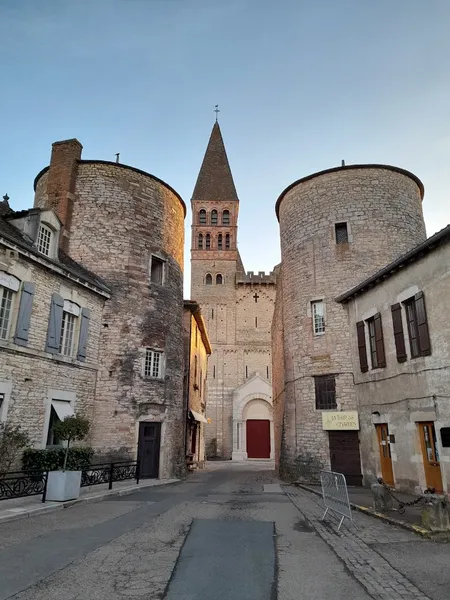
x,y
430,456
258,438
148,448
385,454
344,455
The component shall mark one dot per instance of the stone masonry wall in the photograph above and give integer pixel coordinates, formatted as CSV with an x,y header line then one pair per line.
x,y
383,212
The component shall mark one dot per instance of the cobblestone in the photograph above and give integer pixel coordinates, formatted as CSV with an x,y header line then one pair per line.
x,y
352,546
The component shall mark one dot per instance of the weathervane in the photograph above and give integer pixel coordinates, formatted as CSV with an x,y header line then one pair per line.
x,y
217,111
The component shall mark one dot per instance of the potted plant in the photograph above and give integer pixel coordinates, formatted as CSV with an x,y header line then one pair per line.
x,y
65,485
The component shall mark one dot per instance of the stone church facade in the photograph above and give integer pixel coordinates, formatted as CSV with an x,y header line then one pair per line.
x,y
238,308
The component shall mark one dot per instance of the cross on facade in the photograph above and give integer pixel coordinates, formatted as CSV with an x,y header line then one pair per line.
x,y
256,297
217,111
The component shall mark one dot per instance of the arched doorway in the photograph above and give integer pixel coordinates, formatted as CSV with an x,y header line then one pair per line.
x,y
258,416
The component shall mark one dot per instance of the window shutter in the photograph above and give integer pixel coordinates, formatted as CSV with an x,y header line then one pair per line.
x,y
422,324
83,339
24,316
379,340
362,346
55,324
399,338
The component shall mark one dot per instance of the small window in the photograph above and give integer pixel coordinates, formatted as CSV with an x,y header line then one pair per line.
x,y
214,371
220,241
226,217
214,217
67,333
202,217
208,279
227,241
246,372
325,388
445,437
208,241
256,322
341,233
376,342
373,344
318,315
157,270
219,279
153,364
44,240
200,241
6,300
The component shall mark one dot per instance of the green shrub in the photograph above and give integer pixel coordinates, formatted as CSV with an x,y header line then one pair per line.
x,y
52,459
12,441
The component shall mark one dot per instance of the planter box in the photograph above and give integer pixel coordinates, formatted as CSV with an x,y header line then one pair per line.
x,y
63,485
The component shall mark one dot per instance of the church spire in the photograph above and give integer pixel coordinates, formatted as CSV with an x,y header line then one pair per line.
x,y
215,181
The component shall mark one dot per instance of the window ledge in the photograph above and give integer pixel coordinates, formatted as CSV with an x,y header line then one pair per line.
x,y
26,350
150,378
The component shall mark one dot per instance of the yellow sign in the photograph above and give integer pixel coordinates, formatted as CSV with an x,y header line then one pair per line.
x,y
347,419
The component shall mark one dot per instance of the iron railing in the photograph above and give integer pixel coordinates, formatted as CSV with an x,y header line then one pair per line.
x,y
110,472
19,484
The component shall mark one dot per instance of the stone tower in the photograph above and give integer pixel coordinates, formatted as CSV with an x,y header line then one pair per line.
x,y
238,308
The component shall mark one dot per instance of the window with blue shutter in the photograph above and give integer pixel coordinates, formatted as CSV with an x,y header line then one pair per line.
x,y
24,316
84,329
55,324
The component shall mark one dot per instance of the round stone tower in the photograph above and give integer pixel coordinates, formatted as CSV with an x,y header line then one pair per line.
x,y
337,227
127,227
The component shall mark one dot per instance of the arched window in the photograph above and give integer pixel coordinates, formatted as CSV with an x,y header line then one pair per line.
x,y
227,241
208,241
219,279
214,217
202,217
226,217
200,241
220,241
208,279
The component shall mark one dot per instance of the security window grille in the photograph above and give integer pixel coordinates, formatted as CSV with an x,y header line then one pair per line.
x,y
318,317
44,239
325,386
157,270
373,343
226,217
214,217
6,297
67,329
153,364
341,232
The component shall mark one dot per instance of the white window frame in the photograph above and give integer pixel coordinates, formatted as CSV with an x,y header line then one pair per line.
x,y
9,293
317,330
45,244
5,391
59,396
149,363
9,283
163,266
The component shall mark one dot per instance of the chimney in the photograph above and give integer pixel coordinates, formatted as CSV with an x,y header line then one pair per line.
x,y
61,181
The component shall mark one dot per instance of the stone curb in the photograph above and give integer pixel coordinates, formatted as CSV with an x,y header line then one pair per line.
x,y
45,508
439,536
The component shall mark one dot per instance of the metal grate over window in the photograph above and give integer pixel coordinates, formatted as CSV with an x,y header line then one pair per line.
x,y
153,361
325,387
341,232
6,297
44,239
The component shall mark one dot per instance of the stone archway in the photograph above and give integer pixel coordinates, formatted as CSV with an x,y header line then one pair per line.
x,y
251,401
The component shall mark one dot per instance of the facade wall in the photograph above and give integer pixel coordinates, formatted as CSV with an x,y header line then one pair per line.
x,y
278,376
412,391
383,212
30,377
121,217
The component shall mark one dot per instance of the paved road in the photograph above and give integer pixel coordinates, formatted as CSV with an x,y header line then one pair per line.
x,y
231,533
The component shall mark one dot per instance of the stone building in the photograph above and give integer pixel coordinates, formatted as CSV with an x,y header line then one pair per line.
x,y
337,227
400,351
197,349
238,308
127,227
50,325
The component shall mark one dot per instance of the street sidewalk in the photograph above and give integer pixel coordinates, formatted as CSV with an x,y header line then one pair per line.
x,y
20,508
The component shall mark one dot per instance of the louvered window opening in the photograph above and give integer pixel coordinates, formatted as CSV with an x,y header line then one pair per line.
x,y
411,317
208,241
67,330
219,241
214,217
6,297
226,217
44,239
202,217
227,241
341,233
152,366
325,388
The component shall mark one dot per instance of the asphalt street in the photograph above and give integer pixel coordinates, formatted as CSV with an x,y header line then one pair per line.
x,y
228,533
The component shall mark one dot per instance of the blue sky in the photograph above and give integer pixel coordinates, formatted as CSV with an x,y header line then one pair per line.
x,y
301,84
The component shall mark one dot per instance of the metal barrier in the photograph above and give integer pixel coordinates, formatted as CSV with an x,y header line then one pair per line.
x,y
335,495
19,484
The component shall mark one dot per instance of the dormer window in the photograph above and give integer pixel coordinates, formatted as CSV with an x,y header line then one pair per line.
x,y
44,239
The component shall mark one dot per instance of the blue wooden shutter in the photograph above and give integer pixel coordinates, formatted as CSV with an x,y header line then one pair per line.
x,y
83,339
55,324
24,316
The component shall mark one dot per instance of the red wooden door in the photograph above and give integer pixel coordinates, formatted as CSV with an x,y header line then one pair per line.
x,y
258,438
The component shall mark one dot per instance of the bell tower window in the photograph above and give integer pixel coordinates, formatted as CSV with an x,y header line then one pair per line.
x,y
226,217
227,241
200,241
202,217
208,279
208,241
214,217
220,241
